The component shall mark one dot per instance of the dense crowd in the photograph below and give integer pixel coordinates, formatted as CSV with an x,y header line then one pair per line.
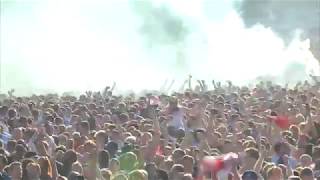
x,y
225,132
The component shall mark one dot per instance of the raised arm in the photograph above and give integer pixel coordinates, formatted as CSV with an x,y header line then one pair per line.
x,y
263,153
183,85
309,128
190,86
201,85
162,88
113,86
170,86
214,84
105,92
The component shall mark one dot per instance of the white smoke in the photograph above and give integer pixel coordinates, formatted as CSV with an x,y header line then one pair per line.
x,y
80,45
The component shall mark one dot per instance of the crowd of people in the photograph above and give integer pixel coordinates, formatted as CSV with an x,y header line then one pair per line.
x,y
225,132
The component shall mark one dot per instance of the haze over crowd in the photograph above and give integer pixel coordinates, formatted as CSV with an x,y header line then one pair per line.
x,y
57,46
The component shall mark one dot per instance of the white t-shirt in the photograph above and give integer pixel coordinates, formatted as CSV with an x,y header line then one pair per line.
x,y
177,120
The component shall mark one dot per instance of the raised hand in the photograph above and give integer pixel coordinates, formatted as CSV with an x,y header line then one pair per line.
x,y
89,93
10,93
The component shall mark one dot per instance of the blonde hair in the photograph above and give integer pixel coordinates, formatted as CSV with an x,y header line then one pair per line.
x,y
120,177
271,170
106,173
138,175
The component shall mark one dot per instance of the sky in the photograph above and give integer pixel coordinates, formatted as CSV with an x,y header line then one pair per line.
x,y
67,45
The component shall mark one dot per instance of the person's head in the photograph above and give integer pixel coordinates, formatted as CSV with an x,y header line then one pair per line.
x,y
11,145
176,172
106,174
33,171
30,154
3,161
145,138
120,177
89,172
49,128
138,175
316,153
306,174
128,161
188,162
59,155
23,122
282,148
15,170
101,137
251,157
177,155
249,175
62,178
295,131
12,113
114,165
17,134
284,170
294,178
305,160
173,103
68,159
274,173
45,165
151,168
112,148
303,140
162,175
77,167
24,164
103,158
75,176
90,146
187,177
62,139
84,128
20,150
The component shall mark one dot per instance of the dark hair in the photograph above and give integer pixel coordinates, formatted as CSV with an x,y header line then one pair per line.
x,y
253,153
30,154
25,162
162,175
11,145
249,175
309,149
103,158
68,159
112,148
3,160
46,168
85,124
12,113
317,164
75,176
306,172
277,147
316,152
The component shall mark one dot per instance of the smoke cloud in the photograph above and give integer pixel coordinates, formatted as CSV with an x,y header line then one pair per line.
x,y
286,18
76,45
